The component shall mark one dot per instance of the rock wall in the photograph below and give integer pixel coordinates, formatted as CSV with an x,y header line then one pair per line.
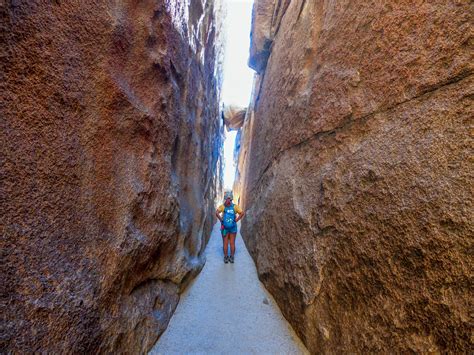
x,y
356,171
111,138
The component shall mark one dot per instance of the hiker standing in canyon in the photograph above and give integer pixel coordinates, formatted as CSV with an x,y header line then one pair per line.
x,y
229,221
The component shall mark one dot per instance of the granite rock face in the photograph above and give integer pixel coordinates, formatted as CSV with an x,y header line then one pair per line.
x,y
355,171
111,138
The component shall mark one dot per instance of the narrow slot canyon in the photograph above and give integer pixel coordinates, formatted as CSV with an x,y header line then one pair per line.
x,y
353,156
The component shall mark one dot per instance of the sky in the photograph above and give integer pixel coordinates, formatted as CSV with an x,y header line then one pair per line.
x,y
238,77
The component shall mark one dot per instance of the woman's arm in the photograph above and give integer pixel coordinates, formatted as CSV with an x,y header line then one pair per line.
x,y
218,215
240,216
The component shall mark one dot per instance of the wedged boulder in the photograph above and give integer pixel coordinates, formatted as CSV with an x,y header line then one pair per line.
x,y
357,180
110,164
234,117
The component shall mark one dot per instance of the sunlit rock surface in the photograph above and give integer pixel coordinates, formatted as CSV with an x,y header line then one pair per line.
x,y
111,137
355,171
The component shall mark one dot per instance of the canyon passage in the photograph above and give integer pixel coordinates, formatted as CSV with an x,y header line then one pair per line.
x,y
354,167
231,308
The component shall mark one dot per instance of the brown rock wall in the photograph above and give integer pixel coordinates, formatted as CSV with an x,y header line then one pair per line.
x,y
110,164
358,184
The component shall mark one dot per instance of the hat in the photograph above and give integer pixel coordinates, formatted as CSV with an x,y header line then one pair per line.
x,y
228,194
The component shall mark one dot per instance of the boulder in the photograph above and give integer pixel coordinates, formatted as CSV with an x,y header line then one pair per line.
x,y
110,167
357,177
266,19
234,117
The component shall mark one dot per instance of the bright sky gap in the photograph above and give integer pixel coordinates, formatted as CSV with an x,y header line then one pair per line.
x,y
238,77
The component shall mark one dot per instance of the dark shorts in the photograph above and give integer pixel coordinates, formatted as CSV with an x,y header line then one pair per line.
x,y
226,231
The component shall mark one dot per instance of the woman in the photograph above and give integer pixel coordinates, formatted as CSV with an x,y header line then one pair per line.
x,y
229,221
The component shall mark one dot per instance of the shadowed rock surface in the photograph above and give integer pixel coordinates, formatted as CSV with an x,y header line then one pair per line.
x,y
111,139
355,170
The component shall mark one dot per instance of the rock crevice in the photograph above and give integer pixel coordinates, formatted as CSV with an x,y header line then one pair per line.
x,y
361,120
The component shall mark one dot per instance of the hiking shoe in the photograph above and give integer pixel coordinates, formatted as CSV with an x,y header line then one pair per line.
x,y
226,259
231,259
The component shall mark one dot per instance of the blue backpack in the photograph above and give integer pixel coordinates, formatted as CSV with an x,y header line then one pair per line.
x,y
229,217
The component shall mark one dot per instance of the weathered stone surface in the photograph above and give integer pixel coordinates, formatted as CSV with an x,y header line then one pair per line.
x,y
244,145
110,163
266,19
357,175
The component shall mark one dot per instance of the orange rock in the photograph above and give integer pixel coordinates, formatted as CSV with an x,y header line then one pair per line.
x,y
356,178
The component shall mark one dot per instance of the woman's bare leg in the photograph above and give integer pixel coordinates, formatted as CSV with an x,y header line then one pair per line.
x,y
232,244
225,241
